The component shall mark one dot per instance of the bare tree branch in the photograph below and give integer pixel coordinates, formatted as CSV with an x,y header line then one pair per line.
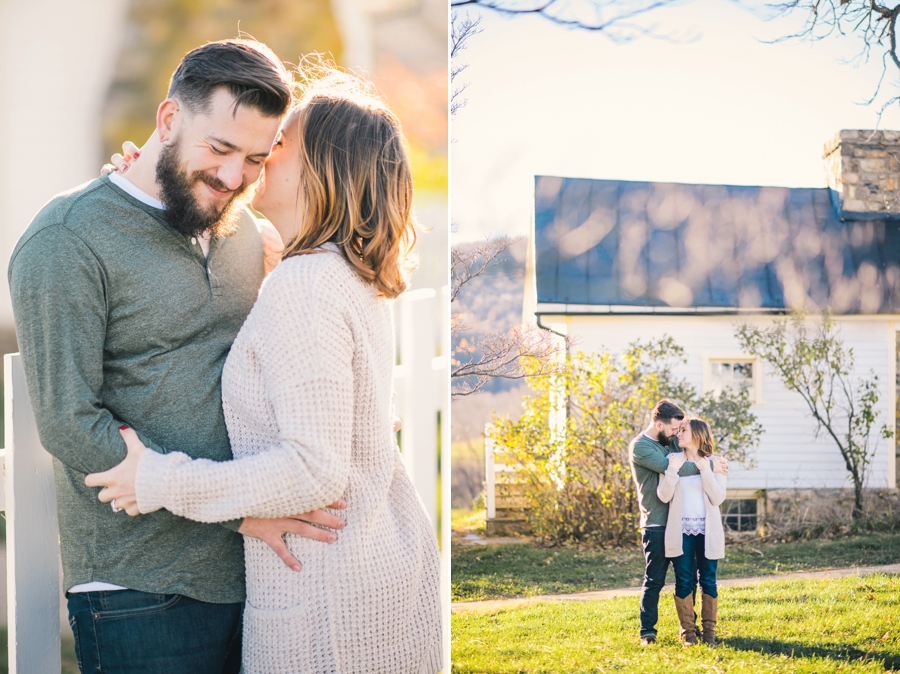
x,y
462,29
522,351
872,23
612,17
471,262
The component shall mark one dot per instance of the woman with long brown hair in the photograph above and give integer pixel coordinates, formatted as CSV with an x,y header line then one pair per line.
x,y
306,392
695,538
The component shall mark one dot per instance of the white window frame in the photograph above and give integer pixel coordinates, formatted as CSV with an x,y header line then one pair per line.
x,y
757,495
756,397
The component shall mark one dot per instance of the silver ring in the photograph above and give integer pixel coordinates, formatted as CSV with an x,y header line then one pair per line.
x,y
114,506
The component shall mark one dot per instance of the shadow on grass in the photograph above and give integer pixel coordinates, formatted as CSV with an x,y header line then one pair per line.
x,y
891,660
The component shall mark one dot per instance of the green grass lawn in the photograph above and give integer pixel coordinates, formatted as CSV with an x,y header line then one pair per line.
x,y
849,624
522,570
464,521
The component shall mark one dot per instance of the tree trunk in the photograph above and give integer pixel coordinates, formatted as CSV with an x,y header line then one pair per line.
x,y
857,514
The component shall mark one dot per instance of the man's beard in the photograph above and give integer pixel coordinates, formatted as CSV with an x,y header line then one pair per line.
x,y
666,440
183,212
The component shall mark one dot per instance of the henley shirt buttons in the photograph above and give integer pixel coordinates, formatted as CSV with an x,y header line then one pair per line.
x,y
193,240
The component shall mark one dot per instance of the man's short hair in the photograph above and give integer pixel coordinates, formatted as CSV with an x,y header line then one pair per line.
x,y
247,69
666,410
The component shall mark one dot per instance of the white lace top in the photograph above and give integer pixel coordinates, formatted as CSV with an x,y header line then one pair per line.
x,y
693,509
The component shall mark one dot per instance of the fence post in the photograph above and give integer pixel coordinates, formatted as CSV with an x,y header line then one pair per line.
x,y
446,452
490,481
421,381
32,536
417,393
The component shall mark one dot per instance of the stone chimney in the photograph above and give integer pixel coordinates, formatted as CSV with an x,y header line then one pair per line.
x,y
864,174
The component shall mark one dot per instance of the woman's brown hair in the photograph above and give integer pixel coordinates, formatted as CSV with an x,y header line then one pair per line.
x,y
706,446
356,185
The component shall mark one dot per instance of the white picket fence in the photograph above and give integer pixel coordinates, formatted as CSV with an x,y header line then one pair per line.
x,y
32,537
28,494
504,490
422,384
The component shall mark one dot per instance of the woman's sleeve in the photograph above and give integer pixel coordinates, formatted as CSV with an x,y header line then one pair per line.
x,y
305,354
666,488
714,486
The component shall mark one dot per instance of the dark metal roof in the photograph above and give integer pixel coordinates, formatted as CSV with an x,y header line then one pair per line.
x,y
667,245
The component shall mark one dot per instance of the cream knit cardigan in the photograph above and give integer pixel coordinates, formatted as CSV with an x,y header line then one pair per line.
x,y
306,391
669,491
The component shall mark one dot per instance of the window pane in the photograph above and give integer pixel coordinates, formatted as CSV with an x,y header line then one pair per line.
x,y
736,375
743,370
731,506
739,514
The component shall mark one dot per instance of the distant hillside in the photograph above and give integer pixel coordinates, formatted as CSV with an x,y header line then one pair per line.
x,y
492,302
489,303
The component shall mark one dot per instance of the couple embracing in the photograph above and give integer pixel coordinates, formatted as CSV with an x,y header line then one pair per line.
x,y
254,514
680,485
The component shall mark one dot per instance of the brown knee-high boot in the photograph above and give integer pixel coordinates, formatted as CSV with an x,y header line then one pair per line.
x,y
709,609
687,618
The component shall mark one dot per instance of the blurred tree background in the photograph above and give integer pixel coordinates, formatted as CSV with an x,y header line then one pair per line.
x,y
399,44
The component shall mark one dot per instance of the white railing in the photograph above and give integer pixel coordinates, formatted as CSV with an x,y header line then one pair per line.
x,y
32,535
504,488
422,385
496,472
490,476
29,493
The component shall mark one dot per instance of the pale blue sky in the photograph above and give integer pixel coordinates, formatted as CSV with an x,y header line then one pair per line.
x,y
725,109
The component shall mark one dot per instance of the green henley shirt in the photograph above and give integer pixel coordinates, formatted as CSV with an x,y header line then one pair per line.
x,y
121,320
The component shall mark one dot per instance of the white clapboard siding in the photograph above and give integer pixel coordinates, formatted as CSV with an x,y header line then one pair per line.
x,y
789,455
32,539
32,543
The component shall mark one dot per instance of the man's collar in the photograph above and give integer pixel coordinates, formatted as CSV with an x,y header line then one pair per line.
x,y
129,187
653,440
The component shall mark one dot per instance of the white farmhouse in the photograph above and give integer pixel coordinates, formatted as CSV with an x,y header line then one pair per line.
x,y
612,262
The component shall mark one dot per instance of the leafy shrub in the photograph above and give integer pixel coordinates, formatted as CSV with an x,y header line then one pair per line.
x,y
570,446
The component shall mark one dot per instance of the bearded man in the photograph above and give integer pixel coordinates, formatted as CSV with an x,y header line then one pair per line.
x,y
128,293
648,454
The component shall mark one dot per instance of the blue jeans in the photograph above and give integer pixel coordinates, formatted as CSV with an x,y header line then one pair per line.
x,y
131,632
693,566
653,540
